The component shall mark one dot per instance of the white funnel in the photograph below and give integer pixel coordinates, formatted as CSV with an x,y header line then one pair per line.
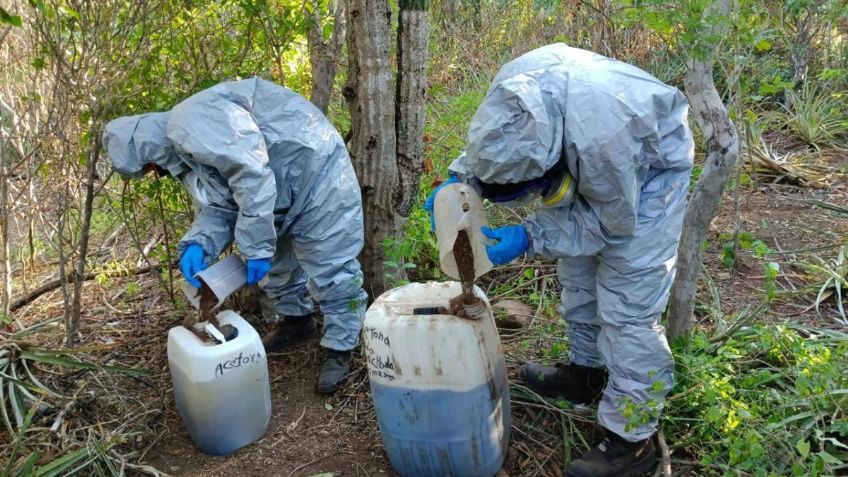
x,y
459,207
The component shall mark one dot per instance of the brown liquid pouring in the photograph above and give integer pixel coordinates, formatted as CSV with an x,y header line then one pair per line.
x,y
466,305
204,313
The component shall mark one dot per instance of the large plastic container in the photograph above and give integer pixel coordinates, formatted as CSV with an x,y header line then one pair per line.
x,y
221,389
438,383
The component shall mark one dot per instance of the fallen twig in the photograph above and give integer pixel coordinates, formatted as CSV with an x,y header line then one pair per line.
x,y
54,284
303,466
57,423
523,285
147,469
293,425
664,468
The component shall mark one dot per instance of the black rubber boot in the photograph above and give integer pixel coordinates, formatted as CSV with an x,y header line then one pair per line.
x,y
335,368
290,331
572,382
614,457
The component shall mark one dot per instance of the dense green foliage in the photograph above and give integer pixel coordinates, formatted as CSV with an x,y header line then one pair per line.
x,y
769,401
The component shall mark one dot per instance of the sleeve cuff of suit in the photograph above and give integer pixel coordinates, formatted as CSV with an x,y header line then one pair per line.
x,y
534,238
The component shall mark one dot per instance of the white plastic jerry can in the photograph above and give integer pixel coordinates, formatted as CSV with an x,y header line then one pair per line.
x,y
221,389
459,207
438,383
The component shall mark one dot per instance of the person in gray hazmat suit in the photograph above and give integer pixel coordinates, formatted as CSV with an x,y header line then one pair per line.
x,y
267,170
608,149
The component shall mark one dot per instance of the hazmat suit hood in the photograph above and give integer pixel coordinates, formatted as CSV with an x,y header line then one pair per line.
x,y
132,142
516,134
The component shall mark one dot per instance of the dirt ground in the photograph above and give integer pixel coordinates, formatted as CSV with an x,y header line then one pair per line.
x,y
785,220
312,434
308,434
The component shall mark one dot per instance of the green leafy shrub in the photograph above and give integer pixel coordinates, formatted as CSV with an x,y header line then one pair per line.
x,y
747,242
768,401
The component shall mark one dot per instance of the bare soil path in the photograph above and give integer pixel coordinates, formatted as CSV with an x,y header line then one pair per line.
x,y
309,433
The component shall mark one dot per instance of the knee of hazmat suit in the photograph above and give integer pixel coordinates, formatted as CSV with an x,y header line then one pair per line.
x,y
254,156
581,130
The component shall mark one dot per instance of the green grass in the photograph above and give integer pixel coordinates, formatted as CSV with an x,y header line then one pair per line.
x,y
447,124
26,396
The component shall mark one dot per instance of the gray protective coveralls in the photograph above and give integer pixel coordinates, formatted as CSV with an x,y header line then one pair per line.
x,y
267,170
626,142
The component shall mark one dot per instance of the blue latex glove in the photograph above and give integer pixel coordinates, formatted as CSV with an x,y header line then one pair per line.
x,y
192,263
256,269
431,199
511,243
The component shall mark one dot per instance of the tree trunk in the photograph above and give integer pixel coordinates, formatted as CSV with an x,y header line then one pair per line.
x,y
449,11
72,322
411,107
370,97
5,214
803,29
63,277
722,151
323,55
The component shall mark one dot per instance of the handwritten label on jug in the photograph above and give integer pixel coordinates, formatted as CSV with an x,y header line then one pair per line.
x,y
377,373
380,364
376,334
237,362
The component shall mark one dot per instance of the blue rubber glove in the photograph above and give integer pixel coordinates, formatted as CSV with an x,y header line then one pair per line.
x,y
511,243
192,263
256,269
431,199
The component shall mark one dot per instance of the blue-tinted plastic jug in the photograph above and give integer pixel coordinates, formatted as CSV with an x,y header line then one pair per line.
x,y
221,389
438,383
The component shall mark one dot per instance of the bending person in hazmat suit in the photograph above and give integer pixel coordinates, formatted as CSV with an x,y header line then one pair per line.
x,y
607,148
267,170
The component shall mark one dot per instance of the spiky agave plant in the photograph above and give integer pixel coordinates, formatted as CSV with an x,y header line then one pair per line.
x,y
25,398
815,116
831,275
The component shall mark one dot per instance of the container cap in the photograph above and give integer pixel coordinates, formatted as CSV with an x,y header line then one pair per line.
x,y
459,207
